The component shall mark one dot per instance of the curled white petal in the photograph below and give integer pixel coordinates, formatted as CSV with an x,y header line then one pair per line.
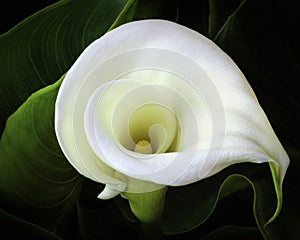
x,y
109,192
159,81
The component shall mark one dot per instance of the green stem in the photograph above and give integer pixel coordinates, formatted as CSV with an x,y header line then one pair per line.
x,y
148,207
150,231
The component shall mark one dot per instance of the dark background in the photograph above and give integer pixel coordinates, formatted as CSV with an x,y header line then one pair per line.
x,y
13,12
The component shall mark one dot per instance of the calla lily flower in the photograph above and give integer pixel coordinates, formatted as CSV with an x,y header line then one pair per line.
x,y
153,104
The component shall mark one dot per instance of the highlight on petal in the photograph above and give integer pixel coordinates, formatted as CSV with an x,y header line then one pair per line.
x,y
109,192
162,83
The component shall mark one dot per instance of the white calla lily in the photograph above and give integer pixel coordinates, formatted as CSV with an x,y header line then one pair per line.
x,y
166,85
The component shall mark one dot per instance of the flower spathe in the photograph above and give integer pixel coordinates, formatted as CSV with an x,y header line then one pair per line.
x,y
167,85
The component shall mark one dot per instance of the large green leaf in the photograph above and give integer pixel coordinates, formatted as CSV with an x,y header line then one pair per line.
x,y
195,203
38,51
37,183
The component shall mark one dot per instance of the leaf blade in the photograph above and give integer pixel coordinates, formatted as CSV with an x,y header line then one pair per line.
x,y
36,181
44,46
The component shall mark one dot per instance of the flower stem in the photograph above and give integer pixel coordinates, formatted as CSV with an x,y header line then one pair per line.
x,y
150,231
148,207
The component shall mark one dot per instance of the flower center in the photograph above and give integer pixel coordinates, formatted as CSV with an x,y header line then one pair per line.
x,y
151,123
143,146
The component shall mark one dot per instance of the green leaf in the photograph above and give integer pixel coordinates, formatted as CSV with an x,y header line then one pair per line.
x,y
286,226
37,183
43,47
221,11
190,206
